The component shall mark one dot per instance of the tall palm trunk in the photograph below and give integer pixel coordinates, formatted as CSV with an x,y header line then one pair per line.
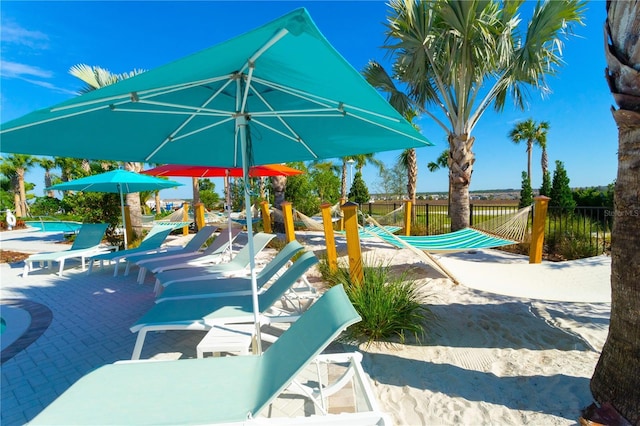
x,y
158,201
460,170
412,174
616,378
16,195
544,161
279,184
23,192
195,185
133,201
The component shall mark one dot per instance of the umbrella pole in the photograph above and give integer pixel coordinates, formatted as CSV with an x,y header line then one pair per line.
x,y
241,124
124,224
227,188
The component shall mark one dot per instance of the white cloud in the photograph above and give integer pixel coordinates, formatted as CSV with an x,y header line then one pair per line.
x,y
15,70
12,33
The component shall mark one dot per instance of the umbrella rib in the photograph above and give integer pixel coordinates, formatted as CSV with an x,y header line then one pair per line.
x,y
173,134
284,123
177,138
328,103
277,37
297,139
155,111
317,99
144,93
300,113
37,123
193,109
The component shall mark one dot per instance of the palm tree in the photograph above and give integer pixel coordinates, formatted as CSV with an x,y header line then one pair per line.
x,y
95,78
47,164
463,57
409,162
531,133
16,166
616,378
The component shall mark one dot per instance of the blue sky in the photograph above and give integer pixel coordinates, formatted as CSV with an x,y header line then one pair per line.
x,y
40,41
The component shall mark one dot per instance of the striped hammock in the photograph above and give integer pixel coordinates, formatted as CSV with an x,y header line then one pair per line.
x,y
497,233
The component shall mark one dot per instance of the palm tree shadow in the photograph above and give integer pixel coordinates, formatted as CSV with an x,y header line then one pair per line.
x,y
524,393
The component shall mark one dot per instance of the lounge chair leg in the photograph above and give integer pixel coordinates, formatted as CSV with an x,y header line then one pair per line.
x,y
90,266
142,273
25,272
115,268
61,262
126,269
137,349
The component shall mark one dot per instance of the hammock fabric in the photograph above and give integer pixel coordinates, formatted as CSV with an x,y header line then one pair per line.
x,y
464,239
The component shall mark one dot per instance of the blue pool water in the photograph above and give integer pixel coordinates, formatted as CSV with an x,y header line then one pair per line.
x,y
3,325
57,226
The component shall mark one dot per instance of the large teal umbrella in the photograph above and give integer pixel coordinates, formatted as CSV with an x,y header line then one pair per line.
x,y
279,93
119,182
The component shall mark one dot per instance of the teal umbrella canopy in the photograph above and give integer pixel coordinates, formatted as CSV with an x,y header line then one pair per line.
x,y
116,181
283,85
119,182
279,93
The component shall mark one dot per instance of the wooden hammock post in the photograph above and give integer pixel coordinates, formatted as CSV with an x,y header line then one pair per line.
x,y
332,256
266,216
350,211
185,218
287,212
198,210
537,229
407,217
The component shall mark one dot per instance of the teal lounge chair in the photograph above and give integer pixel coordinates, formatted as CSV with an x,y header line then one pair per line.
x,y
220,390
212,254
237,264
232,286
86,244
151,243
195,243
202,314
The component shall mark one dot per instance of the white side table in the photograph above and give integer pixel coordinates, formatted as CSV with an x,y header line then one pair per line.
x,y
234,338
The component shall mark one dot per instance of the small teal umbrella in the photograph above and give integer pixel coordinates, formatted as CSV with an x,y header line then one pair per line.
x,y
116,181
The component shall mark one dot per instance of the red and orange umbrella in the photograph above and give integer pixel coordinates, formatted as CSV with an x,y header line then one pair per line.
x,y
204,171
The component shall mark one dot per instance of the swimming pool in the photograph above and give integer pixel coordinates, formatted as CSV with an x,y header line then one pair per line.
x,y
55,226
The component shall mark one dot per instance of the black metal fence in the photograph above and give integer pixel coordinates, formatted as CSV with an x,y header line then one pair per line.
x,y
581,232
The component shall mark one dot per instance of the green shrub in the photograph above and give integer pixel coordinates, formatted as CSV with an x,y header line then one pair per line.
x,y
390,304
569,238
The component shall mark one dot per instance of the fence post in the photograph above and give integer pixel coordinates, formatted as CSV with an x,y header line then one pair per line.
x,y
407,217
350,211
266,216
470,214
287,212
329,237
426,221
537,229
